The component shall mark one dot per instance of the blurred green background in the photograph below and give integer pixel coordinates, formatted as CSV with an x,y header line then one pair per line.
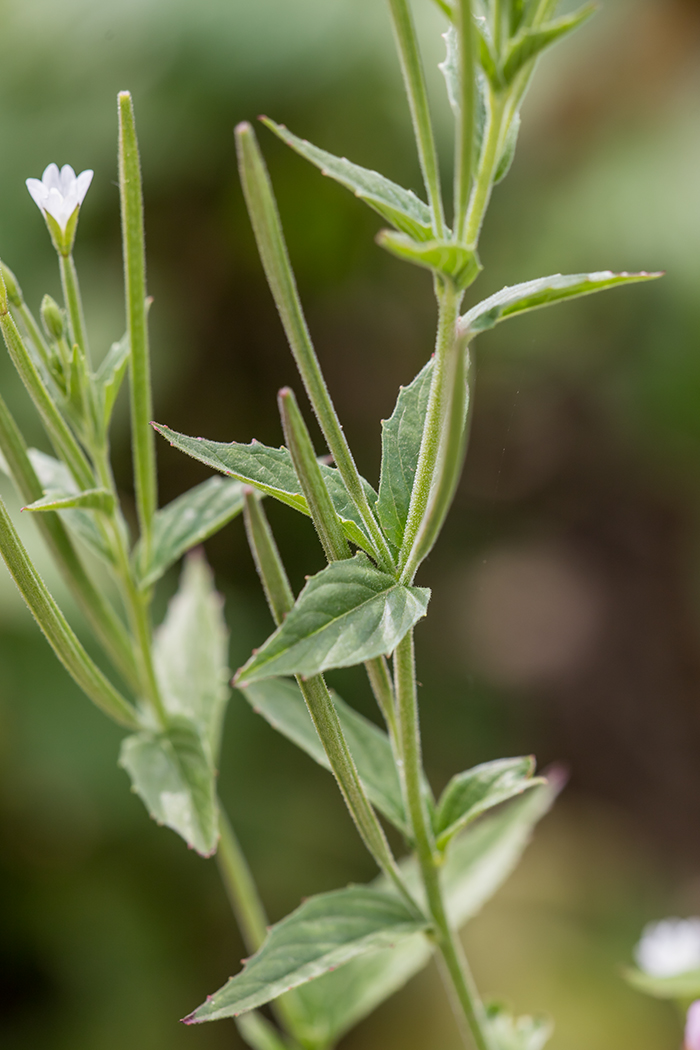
x,y
566,588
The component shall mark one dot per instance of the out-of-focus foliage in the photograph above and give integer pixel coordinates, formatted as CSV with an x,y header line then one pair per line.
x,y
567,575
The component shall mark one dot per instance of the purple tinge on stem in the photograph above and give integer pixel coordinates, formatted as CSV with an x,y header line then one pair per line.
x,y
692,1027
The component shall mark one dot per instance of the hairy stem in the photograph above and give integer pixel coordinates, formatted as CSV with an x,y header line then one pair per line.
x,y
74,305
488,162
465,125
464,991
414,80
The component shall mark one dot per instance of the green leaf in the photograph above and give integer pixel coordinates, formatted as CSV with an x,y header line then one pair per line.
x,y
90,499
322,934
529,43
58,483
508,154
444,257
188,520
270,470
280,703
109,376
476,865
449,67
517,1033
680,986
468,795
172,775
401,440
531,295
402,208
190,652
347,613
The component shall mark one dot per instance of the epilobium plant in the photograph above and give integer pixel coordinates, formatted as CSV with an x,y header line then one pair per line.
x,y
340,954
668,967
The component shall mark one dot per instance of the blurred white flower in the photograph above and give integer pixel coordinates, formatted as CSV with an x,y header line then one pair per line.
x,y
60,192
692,1027
670,947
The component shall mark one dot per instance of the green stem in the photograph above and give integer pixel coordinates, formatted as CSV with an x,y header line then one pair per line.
x,y
323,513
143,438
320,705
450,460
383,689
240,886
447,941
57,630
414,79
98,612
488,162
62,439
438,401
74,305
267,227
465,125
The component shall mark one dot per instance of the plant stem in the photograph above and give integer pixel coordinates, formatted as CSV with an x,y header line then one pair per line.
x,y
320,705
383,689
57,630
464,144
240,886
142,436
446,938
483,182
414,79
448,305
98,612
74,304
267,227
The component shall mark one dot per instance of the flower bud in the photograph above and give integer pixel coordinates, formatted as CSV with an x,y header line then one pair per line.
x,y
14,292
52,316
692,1027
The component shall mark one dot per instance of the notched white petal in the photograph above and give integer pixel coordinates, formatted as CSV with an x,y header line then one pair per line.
x,y
60,192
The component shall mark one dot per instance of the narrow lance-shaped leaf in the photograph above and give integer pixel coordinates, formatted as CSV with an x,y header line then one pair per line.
x,y
171,773
347,613
402,208
470,794
544,291
478,862
109,377
90,499
323,933
59,484
529,43
451,260
401,440
270,470
281,704
188,520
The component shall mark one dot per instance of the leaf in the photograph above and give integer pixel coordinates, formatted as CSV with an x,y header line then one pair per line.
x,y
476,865
190,652
347,613
58,482
468,795
172,775
90,499
680,986
402,208
449,67
322,934
188,520
110,374
521,1033
280,703
441,256
531,295
401,440
270,470
508,153
529,43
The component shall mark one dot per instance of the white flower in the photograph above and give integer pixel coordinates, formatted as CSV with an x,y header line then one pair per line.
x,y
60,192
670,947
692,1027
